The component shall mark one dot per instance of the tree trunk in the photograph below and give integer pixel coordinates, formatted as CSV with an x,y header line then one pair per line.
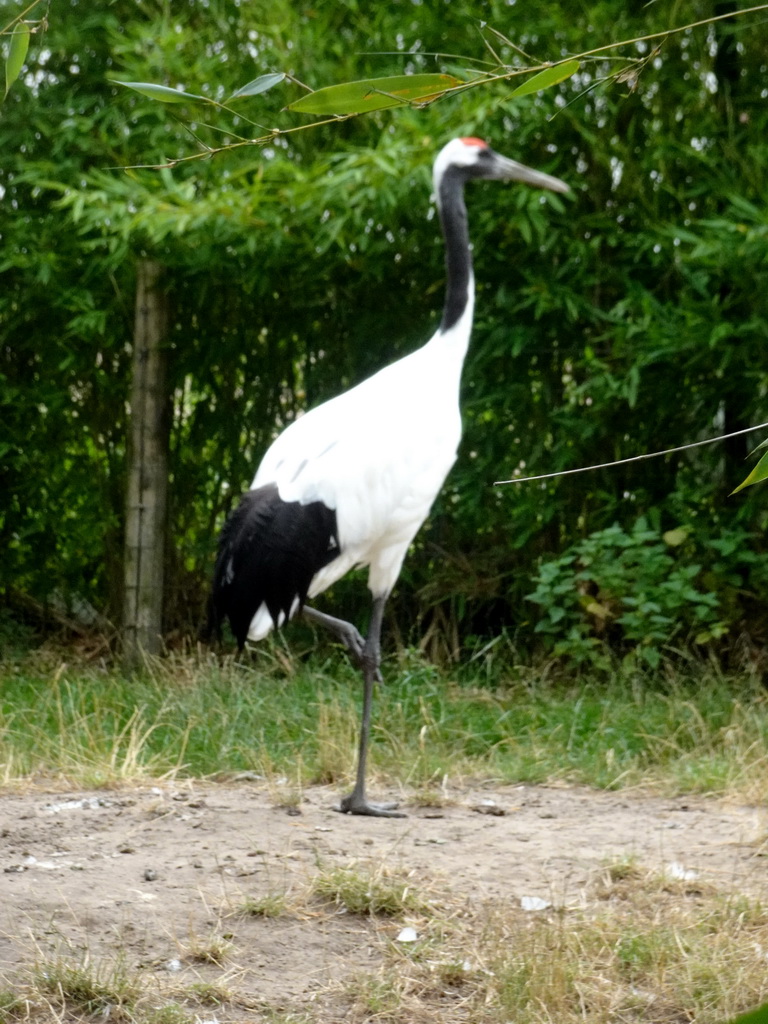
x,y
145,519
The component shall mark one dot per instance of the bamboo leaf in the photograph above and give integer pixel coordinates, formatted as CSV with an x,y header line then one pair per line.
x,y
258,85
675,537
759,473
374,94
17,54
162,92
547,78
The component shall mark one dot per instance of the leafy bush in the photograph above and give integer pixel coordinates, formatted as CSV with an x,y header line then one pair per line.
x,y
16,636
641,589
623,319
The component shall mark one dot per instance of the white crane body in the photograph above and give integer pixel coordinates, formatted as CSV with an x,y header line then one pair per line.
x,y
349,483
378,481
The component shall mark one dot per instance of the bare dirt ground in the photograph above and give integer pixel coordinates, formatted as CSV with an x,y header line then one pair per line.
x,y
159,875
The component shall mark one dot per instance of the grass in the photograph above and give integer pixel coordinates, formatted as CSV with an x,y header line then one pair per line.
x,y
647,952
693,732
74,985
633,947
209,949
271,904
361,890
78,987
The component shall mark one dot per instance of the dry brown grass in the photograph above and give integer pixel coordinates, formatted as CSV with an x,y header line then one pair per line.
x,y
637,947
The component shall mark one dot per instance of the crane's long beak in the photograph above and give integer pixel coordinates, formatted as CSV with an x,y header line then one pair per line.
x,y
502,167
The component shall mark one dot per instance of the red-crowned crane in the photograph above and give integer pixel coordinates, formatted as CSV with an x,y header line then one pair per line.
x,y
350,482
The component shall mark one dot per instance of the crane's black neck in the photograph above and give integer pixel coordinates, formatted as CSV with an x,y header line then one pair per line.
x,y
458,257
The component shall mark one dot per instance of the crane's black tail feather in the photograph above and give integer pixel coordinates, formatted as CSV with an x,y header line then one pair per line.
x,y
269,551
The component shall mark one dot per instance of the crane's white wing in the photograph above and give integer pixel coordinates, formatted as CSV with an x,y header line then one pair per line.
x,y
378,455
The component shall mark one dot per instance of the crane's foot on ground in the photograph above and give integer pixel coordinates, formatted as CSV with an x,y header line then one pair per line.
x,y
353,804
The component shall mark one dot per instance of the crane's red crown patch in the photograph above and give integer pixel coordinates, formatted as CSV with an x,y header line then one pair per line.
x,y
472,141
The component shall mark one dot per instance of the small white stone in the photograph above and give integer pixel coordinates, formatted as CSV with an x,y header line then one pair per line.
x,y
677,871
534,903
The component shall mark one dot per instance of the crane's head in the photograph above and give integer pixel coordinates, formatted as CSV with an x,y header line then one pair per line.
x,y
472,158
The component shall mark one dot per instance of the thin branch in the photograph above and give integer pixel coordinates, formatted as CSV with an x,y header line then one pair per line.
x,y
496,57
19,17
633,458
670,31
424,53
504,73
296,81
509,42
585,92
235,113
213,127
209,152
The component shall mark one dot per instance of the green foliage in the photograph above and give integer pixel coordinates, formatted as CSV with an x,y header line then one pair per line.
x,y
548,77
643,589
162,92
17,52
624,319
374,94
757,474
758,1016
11,1007
16,637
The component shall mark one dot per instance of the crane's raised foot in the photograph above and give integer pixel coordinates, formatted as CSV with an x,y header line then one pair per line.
x,y
348,634
354,804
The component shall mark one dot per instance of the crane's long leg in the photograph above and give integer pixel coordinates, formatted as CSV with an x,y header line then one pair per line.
x,y
356,802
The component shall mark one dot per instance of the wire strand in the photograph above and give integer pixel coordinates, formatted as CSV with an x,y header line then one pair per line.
x,y
633,458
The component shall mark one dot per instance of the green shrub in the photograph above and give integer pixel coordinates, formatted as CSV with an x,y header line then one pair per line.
x,y
642,589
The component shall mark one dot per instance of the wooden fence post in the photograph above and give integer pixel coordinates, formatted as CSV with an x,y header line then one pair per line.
x,y
145,520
